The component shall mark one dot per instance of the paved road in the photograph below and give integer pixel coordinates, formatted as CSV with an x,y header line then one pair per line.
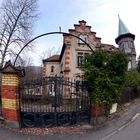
x,y
131,132
6,134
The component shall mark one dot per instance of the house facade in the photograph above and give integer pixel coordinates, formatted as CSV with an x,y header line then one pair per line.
x,y
67,64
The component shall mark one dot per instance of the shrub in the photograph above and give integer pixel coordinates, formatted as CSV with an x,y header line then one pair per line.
x,y
105,73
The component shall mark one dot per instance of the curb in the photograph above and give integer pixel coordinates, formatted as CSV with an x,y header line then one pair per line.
x,y
122,127
1,120
135,117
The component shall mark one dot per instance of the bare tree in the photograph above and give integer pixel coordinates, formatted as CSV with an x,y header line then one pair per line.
x,y
49,52
16,22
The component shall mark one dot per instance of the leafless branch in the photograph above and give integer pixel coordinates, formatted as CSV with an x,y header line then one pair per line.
x,y
17,18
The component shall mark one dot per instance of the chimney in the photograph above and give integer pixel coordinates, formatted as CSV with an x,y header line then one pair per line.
x,y
82,24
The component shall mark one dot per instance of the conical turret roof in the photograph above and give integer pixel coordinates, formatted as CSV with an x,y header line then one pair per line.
x,y
122,28
123,31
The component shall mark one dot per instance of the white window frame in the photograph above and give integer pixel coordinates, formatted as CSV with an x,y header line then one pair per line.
x,y
80,57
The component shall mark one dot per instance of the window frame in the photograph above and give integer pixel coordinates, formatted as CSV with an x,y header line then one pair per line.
x,y
80,57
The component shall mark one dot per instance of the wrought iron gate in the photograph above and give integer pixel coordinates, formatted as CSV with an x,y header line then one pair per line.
x,y
0,104
52,101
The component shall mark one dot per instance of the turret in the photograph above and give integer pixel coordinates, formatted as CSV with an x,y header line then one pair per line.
x,y
125,41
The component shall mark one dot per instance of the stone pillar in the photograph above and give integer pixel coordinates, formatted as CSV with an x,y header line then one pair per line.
x,y
10,95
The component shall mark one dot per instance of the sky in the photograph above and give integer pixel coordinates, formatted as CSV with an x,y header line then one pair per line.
x,y
102,15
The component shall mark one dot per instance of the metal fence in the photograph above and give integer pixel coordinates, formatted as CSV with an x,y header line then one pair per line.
x,y
0,102
129,94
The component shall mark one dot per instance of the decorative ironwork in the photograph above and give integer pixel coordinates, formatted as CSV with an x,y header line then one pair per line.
x,y
52,101
50,33
0,110
0,100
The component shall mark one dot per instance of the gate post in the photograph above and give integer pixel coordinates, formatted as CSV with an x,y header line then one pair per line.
x,y
10,95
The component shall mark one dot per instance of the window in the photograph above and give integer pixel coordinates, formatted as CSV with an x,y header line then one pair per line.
x,y
30,91
129,65
77,86
79,59
37,91
52,68
131,44
83,37
126,47
51,89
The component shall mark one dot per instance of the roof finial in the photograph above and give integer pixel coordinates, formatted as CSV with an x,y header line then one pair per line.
x,y
60,29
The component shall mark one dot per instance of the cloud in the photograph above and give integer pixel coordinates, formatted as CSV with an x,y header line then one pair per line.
x,y
102,15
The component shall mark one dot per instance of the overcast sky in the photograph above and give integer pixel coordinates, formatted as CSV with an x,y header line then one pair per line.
x,y
102,15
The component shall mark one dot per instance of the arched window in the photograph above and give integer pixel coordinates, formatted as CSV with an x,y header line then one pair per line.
x,y
84,37
52,68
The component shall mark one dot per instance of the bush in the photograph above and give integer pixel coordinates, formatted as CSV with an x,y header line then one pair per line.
x,y
105,73
132,78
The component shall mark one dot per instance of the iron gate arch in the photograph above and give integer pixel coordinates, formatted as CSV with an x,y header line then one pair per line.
x,y
75,107
0,94
50,33
53,101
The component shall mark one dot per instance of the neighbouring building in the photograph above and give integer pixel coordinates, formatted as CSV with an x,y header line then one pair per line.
x,y
67,64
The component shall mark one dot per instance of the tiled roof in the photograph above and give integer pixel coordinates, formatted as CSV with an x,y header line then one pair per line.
x,y
54,58
109,47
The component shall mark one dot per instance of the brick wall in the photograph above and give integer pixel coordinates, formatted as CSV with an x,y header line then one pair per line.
x,y
10,95
10,99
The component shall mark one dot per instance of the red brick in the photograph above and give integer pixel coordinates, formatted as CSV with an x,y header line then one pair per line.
x,y
9,92
10,114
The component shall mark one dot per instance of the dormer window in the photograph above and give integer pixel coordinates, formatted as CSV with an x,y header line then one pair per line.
x,y
83,37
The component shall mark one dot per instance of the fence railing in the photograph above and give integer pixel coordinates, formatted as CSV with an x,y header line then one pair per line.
x,y
129,94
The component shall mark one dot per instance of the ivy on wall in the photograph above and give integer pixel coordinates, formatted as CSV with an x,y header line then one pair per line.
x,y
105,73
